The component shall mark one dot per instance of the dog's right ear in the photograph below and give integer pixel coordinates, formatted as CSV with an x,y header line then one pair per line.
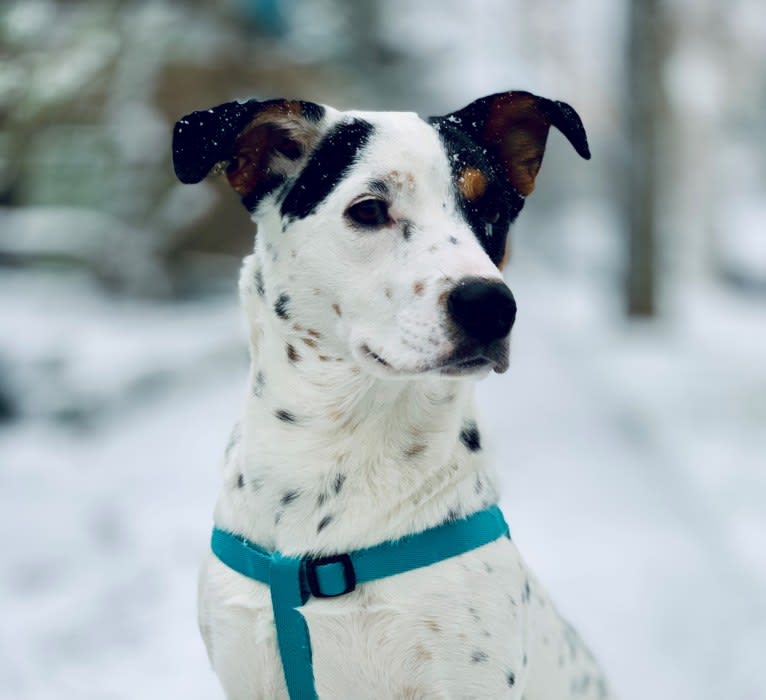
x,y
258,144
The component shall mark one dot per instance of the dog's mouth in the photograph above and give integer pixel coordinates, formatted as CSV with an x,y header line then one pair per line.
x,y
473,360
461,362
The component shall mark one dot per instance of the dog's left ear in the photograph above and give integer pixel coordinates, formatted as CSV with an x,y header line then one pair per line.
x,y
513,126
257,143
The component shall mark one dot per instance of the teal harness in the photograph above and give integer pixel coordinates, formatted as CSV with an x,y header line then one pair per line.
x,y
293,580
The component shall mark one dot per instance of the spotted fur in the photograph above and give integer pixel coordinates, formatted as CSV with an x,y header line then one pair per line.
x,y
360,424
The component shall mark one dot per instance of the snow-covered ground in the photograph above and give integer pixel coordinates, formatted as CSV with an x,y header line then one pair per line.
x,y
632,457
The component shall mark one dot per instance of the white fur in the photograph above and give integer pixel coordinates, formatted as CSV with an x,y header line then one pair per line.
x,y
377,449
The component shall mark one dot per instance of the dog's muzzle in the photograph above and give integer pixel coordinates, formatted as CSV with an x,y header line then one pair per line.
x,y
482,312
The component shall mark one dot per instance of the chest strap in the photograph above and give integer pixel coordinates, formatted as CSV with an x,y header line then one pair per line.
x,y
293,580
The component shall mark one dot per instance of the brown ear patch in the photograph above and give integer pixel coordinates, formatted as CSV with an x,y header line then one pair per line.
x,y
472,183
276,135
518,130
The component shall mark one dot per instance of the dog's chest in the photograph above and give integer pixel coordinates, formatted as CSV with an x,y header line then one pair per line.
x,y
455,629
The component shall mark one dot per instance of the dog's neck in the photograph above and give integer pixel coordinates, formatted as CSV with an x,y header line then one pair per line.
x,y
328,458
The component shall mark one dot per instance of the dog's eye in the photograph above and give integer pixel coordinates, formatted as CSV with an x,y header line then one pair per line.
x,y
370,213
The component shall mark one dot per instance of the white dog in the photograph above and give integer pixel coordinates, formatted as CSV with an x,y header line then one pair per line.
x,y
374,301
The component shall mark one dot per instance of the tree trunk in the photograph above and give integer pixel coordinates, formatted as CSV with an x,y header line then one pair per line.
x,y
645,106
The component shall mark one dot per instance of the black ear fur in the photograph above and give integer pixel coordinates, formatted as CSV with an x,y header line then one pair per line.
x,y
473,118
568,122
202,139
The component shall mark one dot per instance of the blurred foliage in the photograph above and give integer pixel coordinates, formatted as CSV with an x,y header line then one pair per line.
x,y
89,93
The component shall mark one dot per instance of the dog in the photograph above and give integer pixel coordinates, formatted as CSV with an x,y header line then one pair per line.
x,y
374,301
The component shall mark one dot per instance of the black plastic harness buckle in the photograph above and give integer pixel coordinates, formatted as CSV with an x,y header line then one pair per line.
x,y
349,575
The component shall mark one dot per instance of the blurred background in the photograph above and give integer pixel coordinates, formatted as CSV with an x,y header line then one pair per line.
x,y
630,430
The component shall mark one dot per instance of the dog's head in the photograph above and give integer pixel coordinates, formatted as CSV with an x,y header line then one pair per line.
x,y
383,233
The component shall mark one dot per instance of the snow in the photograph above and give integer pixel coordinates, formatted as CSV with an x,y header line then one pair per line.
x,y
631,456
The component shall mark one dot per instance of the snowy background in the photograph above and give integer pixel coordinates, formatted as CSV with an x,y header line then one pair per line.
x,y
633,448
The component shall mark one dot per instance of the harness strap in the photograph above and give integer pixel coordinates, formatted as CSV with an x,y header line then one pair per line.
x,y
293,580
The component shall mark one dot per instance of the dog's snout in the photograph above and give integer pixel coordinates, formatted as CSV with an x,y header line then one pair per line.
x,y
484,309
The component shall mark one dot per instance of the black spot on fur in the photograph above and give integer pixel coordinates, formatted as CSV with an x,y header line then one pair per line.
x,y
452,515
470,437
285,416
337,485
278,516
478,485
479,656
240,481
289,496
328,164
259,288
258,384
236,435
511,678
525,595
281,306
292,354
322,499
324,522
407,230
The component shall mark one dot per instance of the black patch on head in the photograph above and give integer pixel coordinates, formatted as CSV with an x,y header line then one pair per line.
x,y
324,522
328,164
285,416
281,306
269,185
337,485
479,656
289,496
490,215
470,437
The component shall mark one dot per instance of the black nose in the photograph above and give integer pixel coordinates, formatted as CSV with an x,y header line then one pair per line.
x,y
483,309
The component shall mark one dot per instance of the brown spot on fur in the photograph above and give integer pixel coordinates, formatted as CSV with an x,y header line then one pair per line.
x,y
292,354
415,449
324,358
297,327
336,309
419,288
422,654
313,333
310,342
434,626
472,183
444,296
